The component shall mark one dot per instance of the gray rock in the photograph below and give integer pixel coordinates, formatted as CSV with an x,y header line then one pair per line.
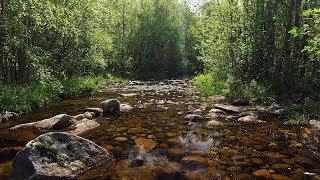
x,y
315,124
110,107
228,108
57,156
194,117
213,124
250,119
47,124
79,117
97,111
125,108
8,116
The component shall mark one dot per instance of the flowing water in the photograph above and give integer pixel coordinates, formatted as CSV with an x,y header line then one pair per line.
x,y
182,150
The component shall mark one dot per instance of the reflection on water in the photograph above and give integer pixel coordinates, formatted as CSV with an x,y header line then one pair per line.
x,y
182,149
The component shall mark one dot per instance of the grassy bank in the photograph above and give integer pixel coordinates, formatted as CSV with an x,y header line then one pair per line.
x,y
25,98
298,112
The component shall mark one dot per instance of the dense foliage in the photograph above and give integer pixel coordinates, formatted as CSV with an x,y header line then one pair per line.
x,y
245,48
273,45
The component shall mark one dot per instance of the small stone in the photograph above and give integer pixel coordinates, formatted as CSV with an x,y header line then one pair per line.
x,y
228,108
252,119
194,117
125,108
89,115
110,107
280,167
195,160
97,111
279,177
213,124
121,139
178,151
79,117
262,173
145,144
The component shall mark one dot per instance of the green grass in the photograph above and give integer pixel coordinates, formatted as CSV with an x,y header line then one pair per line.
x,y
25,98
302,113
209,85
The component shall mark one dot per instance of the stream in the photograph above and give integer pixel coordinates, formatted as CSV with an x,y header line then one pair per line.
x,y
183,150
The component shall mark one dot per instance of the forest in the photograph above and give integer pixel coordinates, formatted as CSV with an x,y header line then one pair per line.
x,y
235,47
160,89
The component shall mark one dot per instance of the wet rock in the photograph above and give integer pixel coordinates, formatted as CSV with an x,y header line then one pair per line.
x,y
124,170
213,124
194,117
195,160
228,108
315,124
79,117
198,174
234,169
262,173
121,139
8,116
89,115
280,167
97,111
57,156
83,126
177,152
256,161
45,125
63,123
304,161
169,169
110,107
218,111
243,177
136,130
279,177
129,95
125,108
216,116
250,119
213,173
240,102
146,145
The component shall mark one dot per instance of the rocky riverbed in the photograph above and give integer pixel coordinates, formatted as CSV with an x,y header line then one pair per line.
x,y
165,130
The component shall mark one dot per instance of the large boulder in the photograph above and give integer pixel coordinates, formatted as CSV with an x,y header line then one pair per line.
x,y
61,123
110,107
8,116
57,156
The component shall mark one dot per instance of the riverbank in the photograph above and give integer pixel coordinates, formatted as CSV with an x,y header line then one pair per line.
x,y
26,98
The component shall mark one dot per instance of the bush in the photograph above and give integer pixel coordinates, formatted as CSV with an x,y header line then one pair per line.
x,y
210,85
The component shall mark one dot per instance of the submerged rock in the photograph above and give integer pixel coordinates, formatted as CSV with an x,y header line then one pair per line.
x,y
8,116
146,145
110,107
57,156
